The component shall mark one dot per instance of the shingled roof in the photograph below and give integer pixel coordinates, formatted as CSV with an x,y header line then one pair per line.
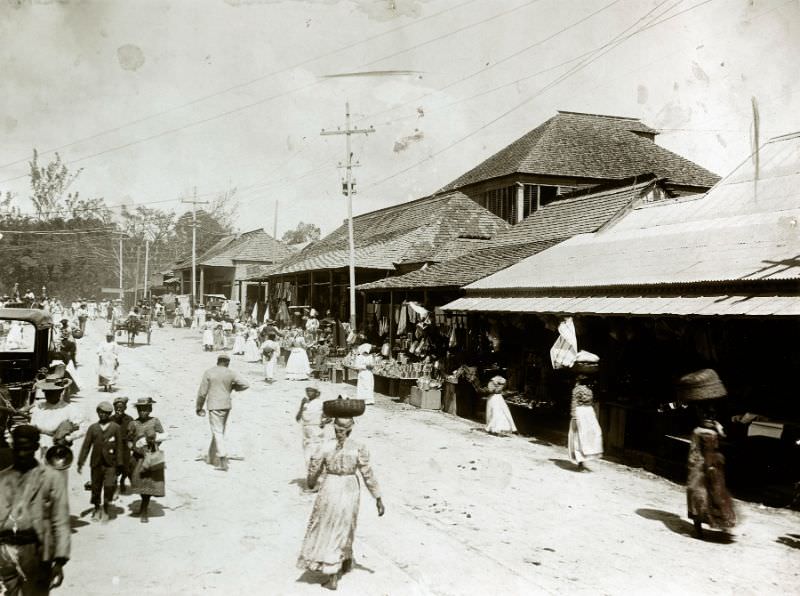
x,y
595,146
407,233
544,228
255,245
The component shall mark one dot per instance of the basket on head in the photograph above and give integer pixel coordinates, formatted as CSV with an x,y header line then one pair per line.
x,y
343,408
701,385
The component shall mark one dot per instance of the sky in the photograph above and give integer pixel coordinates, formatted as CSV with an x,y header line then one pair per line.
x,y
154,99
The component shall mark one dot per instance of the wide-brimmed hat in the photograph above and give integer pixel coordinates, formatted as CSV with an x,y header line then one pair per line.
x,y
121,400
54,384
701,385
144,401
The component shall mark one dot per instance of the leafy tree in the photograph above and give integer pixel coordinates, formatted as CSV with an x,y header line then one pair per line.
x,y
49,187
304,232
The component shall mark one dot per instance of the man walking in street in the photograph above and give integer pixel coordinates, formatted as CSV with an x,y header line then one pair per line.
x,y
34,520
215,395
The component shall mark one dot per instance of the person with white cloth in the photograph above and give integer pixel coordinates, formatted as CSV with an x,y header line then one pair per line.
x,y
498,416
269,354
108,363
364,363
585,440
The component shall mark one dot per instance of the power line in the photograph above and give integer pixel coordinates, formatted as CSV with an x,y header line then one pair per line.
x,y
247,83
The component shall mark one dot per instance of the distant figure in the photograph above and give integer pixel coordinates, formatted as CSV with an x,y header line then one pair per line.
x,y
585,439
214,394
108,363
298,368
269,353
363,363
498,415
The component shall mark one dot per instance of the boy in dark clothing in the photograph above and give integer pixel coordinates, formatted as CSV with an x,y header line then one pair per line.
x,y
104,439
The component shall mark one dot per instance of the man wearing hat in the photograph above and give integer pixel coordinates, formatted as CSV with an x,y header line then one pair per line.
x,y
214,395
104,440
34,520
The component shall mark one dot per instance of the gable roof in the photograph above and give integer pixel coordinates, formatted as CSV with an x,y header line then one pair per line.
x,y
551,224
595,146
407,233
738,233
255,245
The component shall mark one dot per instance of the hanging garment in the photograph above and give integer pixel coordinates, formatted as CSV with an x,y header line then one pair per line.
x,y
565,349
401,325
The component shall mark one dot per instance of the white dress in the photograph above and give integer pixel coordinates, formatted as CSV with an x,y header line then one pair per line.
x,y
208,335
498,416
365,389
107,369
238,342
298,368
251,351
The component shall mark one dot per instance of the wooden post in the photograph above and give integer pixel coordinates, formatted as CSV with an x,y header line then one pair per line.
x,y
520,202
202,285
391,322
311,289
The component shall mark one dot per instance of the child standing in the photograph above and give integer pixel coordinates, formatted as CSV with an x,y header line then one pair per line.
x,y
104,440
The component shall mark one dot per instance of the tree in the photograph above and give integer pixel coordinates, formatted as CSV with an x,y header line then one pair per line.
x,y
49,185
304,232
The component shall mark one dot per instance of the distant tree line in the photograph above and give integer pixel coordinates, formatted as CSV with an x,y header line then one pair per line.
x,y
70,244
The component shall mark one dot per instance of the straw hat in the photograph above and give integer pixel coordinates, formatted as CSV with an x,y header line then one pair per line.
x,y
701,385
144,401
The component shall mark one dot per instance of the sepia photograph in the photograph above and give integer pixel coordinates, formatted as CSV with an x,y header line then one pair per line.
x,y
399,297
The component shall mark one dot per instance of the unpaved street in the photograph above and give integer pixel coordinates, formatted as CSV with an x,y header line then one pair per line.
x,y
466,513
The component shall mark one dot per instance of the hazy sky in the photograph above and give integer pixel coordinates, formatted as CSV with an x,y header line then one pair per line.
x,y
155,98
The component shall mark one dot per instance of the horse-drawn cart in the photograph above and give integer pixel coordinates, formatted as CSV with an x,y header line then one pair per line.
x,y
134,325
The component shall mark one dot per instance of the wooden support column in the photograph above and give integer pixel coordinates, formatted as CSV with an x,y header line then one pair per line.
x,y
391,321
330,293
202,283
311,288
520,202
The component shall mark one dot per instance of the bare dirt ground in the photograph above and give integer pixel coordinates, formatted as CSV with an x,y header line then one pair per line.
x,y
466,513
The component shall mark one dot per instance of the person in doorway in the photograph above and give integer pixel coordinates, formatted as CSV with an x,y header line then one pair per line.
x,y
34,520
125,423
706,493
313,421
328,544
498,417
104,440
269,354
585,439
214,394
108,363
363,363
148,434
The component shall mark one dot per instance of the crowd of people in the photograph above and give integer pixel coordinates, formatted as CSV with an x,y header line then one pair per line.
x,y
34,513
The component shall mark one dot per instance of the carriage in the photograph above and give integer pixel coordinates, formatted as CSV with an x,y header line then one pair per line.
x,y
134,325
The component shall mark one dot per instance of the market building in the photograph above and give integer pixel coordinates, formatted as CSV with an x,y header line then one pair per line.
x,y
222,270
673,286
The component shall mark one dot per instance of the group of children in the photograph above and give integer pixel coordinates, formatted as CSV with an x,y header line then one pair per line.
x,y
119,447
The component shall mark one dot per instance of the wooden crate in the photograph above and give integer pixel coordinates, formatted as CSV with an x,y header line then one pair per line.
x,y
428,399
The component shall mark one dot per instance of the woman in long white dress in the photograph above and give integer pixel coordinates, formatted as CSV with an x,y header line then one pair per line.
x,y
269,352
251,351
238,339
585,439
108,363
298,368
328,545
363,363
208,336
498,416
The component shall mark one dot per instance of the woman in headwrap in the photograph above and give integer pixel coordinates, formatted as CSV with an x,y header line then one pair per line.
x,y
498,416
328,545
363,363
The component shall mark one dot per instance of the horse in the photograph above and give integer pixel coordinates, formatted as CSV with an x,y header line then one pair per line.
x,y
132,327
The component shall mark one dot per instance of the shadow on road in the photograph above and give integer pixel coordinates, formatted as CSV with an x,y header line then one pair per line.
x,y
154,510
790,540
76,522
565,464
681,526
312,577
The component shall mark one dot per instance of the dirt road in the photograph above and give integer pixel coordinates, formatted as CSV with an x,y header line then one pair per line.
x,y
466,513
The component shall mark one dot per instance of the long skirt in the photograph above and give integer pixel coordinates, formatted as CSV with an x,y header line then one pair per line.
x,y
238,344
146,483
332,526
707,495
107,372
269,366
585,440
208,338
219,340
251,351
365,389
298,368
313,440
498,416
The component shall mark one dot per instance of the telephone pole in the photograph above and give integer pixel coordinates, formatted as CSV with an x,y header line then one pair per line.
x,y
194,203
349,192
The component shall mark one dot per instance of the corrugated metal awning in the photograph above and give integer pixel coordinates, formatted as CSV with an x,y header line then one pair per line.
x,y
635,305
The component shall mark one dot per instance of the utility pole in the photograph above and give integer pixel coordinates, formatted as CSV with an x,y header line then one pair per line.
x,y
275,222
121,289
349,192
194,203
146,260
